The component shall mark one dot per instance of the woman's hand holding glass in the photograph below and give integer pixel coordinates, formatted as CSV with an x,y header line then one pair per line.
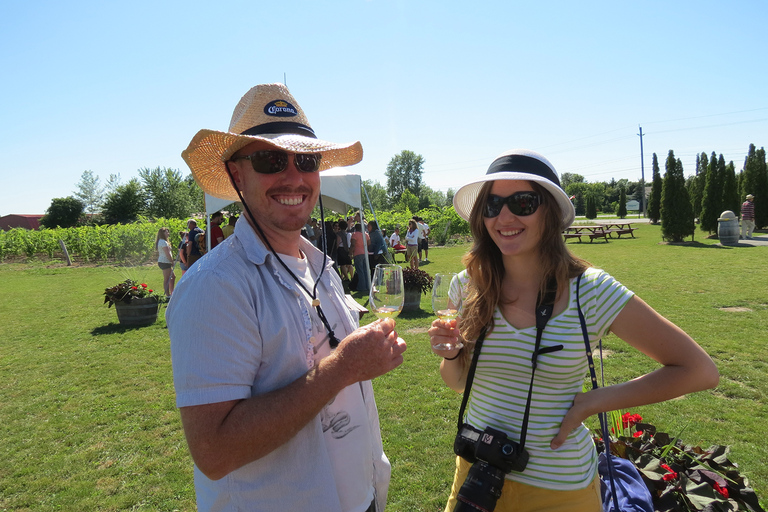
x,y
444,335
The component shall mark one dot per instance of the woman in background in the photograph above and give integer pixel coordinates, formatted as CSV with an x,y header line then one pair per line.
x,y
165,260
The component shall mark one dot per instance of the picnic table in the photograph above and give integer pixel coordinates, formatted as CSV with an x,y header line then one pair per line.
x,y
619,228
592,232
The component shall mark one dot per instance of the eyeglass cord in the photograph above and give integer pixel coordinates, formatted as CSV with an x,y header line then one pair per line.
x,y
333,340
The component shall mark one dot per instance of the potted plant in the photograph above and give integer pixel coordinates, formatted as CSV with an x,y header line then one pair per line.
x,y
416,282
679,476
135,303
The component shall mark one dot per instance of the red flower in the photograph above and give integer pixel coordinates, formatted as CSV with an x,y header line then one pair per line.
x,y
630,419
134,287
143,285
639,433
722,490
150,290
669,476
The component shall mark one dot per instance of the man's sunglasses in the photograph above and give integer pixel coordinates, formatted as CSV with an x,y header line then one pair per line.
x,y
519,203
275,161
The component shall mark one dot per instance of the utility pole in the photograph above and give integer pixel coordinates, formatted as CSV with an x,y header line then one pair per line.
x,y
642,174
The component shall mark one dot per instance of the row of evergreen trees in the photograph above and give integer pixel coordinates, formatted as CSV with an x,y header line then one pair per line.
x,y
715,188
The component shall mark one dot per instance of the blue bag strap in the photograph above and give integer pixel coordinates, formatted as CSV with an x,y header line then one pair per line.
x,y
593,377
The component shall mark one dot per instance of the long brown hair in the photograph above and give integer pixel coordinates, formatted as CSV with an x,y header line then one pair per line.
x,y
485,265
161,233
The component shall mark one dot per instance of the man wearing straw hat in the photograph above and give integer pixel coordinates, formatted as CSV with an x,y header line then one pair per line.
x,y
274,392
748,217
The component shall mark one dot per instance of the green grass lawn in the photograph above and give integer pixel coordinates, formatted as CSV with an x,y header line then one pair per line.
x,y
88,420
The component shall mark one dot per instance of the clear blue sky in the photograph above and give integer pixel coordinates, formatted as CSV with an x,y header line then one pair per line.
x,y
114,87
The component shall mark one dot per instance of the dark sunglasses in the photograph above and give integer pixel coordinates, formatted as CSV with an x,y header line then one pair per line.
x,y
519,203
275,161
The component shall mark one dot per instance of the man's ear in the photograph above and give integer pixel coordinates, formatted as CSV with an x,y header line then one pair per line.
x,y
234,171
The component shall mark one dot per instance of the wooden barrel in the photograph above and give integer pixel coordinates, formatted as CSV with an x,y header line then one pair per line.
x,y
137,312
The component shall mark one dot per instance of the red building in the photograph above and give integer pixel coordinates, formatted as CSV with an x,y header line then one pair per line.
x,y
20,221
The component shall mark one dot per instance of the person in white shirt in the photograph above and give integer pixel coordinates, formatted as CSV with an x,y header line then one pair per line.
x,y
394,239
275,390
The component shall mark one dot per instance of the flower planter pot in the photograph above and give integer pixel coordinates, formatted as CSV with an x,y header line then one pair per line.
x,y
412,300
137,312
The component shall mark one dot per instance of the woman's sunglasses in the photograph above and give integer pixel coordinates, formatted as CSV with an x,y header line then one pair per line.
x,y
275,161
519,203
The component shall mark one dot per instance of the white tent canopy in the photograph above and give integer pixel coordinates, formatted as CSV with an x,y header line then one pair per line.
x,y
340,190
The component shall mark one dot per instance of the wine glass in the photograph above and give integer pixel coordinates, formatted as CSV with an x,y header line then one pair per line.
x,y
387,291
445,305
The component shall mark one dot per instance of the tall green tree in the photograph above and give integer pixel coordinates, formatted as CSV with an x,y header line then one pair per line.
x,y
730,188
622,210
166,193
676,209
654,201
90,192
64,212
591,207
376,192
696,188
125,204
407,202
404,173
755,182
712,200
196,195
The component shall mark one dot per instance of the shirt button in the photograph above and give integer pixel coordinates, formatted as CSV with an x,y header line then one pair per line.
x,y
312,340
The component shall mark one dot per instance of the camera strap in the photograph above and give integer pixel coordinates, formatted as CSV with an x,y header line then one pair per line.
x,y
544,310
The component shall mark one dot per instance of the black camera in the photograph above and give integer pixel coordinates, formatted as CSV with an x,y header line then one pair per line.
x,y
492,456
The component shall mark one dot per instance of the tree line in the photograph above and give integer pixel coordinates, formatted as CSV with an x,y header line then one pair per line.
x,y
715,188
157,193
674,200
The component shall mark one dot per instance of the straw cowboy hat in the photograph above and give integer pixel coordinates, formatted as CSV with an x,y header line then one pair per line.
x,y
517,164
267,113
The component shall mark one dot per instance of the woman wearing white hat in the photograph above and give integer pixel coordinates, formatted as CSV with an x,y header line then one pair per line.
x,y
517,212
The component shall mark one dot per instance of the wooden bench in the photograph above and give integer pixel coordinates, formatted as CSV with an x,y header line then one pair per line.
x,y
589,231
620,229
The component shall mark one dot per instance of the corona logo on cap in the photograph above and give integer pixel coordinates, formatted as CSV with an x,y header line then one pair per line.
x,y
280,108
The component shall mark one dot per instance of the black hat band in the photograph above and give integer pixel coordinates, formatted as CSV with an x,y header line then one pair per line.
x,y
523,164
281,127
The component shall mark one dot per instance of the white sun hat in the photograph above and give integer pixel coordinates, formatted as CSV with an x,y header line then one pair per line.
x,y
517,164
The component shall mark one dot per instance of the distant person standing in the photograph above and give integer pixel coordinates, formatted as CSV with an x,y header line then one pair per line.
x,y
748,217
217,235
412,244
378,246
165,259
183,251
193,249
360,256
423,239
230,227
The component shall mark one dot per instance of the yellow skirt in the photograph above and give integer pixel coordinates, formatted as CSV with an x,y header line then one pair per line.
x,y
519,497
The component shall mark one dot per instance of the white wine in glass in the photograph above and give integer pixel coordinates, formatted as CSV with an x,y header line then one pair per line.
x,y
387,291
445,306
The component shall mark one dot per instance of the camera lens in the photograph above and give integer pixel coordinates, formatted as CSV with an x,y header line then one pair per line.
x,y
481,489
